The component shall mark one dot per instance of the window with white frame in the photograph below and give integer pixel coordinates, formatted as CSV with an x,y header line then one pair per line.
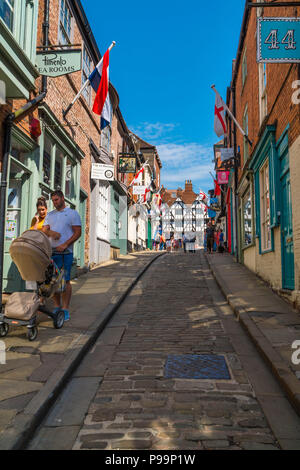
x,y
265,207
58,169
103,212
245,127
65,23
263,109
105,138
7,12
247,218
86,72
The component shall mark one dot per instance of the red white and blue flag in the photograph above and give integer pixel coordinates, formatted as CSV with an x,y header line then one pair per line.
x,y
99,80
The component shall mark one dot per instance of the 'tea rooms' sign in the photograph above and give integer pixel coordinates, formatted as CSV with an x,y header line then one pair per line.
x,y
57,63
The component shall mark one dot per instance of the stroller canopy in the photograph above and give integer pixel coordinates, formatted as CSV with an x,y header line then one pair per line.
x,y
31,252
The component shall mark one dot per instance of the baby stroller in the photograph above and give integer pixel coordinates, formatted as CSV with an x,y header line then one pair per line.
x,y
31,253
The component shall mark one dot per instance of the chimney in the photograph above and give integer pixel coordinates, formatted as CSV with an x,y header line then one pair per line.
x,y
188,185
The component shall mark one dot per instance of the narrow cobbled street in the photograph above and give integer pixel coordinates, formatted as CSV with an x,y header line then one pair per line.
x,y
172,370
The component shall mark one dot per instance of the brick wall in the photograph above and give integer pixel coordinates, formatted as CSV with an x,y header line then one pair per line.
x,y
281,112
82,124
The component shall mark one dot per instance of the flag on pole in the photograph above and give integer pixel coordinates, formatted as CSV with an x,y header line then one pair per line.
x,y
138,177
204,197
220,123
158,200
217,188
99,80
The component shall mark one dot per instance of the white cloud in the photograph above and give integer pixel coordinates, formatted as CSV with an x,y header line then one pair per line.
x,y
181,160
154,131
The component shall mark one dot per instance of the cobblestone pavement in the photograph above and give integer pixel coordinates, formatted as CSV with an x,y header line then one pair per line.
x,y
143,381
172,312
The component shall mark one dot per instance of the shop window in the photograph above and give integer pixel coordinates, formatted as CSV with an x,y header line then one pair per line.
x,y
14,201
7,12
65,23
70,180
265,208
47,160
58,169
247,218
103,211
19,153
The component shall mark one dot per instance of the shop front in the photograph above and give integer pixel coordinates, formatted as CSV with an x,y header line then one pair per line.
x,y
35,170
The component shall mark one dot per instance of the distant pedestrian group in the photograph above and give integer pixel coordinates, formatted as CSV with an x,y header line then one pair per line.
x,y
214,239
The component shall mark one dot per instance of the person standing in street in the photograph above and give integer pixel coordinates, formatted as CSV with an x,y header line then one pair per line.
x,y
210,232
221,241
184,239
65,221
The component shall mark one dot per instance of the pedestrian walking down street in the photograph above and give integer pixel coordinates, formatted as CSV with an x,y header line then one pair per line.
x,y
221,241
40,216
210,232
65,221
184,239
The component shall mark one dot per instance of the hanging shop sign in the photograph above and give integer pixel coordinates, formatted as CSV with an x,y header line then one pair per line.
x,y
139,190
223,177
103,172
227,153
127,163
57,63
278,40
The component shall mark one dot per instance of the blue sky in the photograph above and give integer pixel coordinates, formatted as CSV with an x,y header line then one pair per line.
x,y
168,54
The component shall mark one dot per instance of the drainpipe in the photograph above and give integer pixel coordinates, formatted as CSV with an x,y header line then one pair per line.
x,y
8,124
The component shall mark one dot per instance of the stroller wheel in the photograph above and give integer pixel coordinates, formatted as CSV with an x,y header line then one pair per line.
x,y
32,333
4,327
59,320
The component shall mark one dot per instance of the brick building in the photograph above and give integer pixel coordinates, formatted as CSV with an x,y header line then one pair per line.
x,y
60,156
260,97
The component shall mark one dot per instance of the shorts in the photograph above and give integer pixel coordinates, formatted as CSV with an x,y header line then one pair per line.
x,y
65,261
210,243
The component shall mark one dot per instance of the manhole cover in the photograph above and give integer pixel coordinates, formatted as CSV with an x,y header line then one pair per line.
x,y
192,366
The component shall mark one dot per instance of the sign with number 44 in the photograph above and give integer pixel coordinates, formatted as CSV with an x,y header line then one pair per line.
x,y
278,40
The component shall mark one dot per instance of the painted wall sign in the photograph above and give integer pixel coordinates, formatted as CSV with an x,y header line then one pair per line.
x,y
57,63
102,172
278,40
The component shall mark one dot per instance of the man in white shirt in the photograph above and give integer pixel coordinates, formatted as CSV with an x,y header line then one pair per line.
x,y
65,221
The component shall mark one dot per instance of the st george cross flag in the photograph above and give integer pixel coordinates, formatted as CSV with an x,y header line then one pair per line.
x,y
204,197
220,123
99,80
158,200
138,177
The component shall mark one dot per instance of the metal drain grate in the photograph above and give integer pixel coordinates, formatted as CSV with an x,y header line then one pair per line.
x,y
192,366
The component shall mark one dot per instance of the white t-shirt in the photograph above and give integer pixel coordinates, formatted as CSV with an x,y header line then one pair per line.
x,y
62,222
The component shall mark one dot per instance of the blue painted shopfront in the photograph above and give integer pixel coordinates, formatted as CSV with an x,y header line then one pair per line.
x,y
275,157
